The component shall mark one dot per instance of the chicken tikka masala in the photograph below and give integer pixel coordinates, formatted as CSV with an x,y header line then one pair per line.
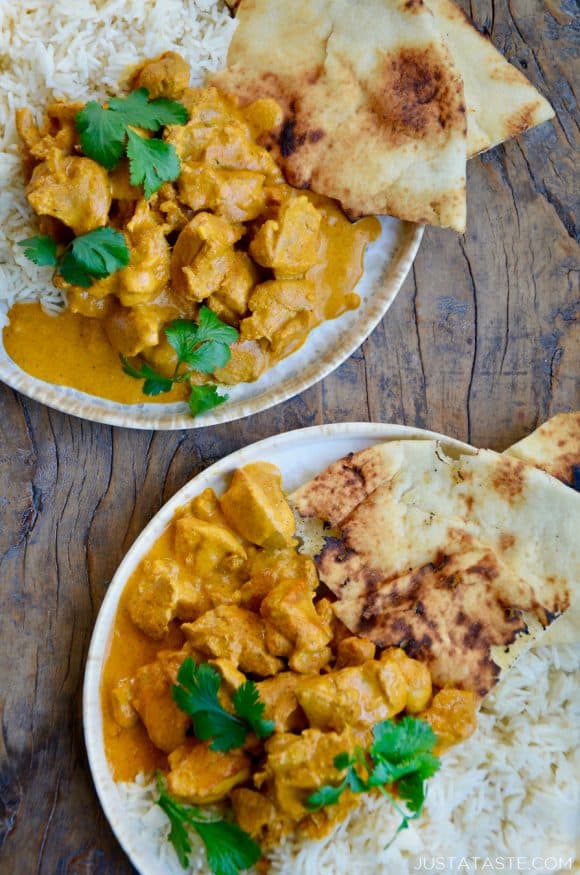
x,y
222,229
226,591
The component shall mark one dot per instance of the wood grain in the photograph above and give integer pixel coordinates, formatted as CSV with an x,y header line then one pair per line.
x,y
482,343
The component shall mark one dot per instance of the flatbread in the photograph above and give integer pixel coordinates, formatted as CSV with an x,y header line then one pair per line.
x,y
554,447
412,520
501,103
374,107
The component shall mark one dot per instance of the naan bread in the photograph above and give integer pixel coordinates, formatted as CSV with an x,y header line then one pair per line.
x,y
432,550
554,447
501,103
374,107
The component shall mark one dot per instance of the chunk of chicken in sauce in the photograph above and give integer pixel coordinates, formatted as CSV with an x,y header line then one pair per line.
x,y
202,776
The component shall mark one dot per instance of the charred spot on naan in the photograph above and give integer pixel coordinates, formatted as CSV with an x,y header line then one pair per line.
x,y
413,96
509,478
448,614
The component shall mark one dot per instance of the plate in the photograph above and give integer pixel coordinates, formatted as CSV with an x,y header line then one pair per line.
x,y
299,455
387,262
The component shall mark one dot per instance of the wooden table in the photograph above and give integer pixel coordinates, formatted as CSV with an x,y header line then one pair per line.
x,y
481,344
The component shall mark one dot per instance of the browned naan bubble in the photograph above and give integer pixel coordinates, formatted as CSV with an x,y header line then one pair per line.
x,y
447,614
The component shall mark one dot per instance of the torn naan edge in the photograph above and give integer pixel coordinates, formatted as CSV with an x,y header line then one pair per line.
x,y
397,504
374,112
500,101
554,447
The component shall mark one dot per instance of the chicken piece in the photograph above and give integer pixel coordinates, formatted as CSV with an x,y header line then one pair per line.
x,y
255,506
130,330
264,116
202,255
453,716
297,765
294,629
121,188
58,131
354,651
207,106
207,547
170,213
268,568
417,676
160,596
233,633
279,695
231,680
83,302
124,714
162,356
206,506
202,776
249,360
75,190
257,816
231,299
164,76
282,313
289,244
165,723
147,273
357,697
237,195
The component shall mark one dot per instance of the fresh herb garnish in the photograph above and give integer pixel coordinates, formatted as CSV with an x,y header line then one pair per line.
x,y
106,135
402,754
196,694
229,849
87,258
201,347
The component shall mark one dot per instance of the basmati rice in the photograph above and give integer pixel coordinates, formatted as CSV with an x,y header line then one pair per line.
x,y
510,791
81,51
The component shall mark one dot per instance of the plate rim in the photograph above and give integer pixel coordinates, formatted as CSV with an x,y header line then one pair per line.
x,y
89,407
91,707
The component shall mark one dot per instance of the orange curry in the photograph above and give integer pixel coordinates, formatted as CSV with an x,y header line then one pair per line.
x,y
229,233
226,585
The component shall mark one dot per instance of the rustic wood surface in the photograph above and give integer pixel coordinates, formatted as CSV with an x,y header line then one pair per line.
x,y
482,344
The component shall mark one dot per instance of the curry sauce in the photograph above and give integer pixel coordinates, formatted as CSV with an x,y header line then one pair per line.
x,y
225,586
229,233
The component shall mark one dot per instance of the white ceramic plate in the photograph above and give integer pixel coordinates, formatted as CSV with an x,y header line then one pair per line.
x,y
387,262
299,455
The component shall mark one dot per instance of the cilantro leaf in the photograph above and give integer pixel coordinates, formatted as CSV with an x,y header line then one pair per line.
x,y
101,252
155,384
229,849
400,741
40,250
247,705
209,356
204,398
102,134
151,162
326,795
137,109
73,272
182,335
196,694
211,327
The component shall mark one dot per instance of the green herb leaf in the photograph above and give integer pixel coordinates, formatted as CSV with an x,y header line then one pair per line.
x,y
229,848
73,272
211,327
102,134
247,704
151,162
101,252
209,356
326,795
41,250
396,742
196,694
204,398
155,383
137,109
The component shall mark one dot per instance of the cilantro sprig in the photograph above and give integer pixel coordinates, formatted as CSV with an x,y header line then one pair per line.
x,y
201,347
229,849
401,754
196,695
87,258
106,135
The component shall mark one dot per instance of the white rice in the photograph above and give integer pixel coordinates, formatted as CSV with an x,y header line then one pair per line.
x,y
509,796
81,50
